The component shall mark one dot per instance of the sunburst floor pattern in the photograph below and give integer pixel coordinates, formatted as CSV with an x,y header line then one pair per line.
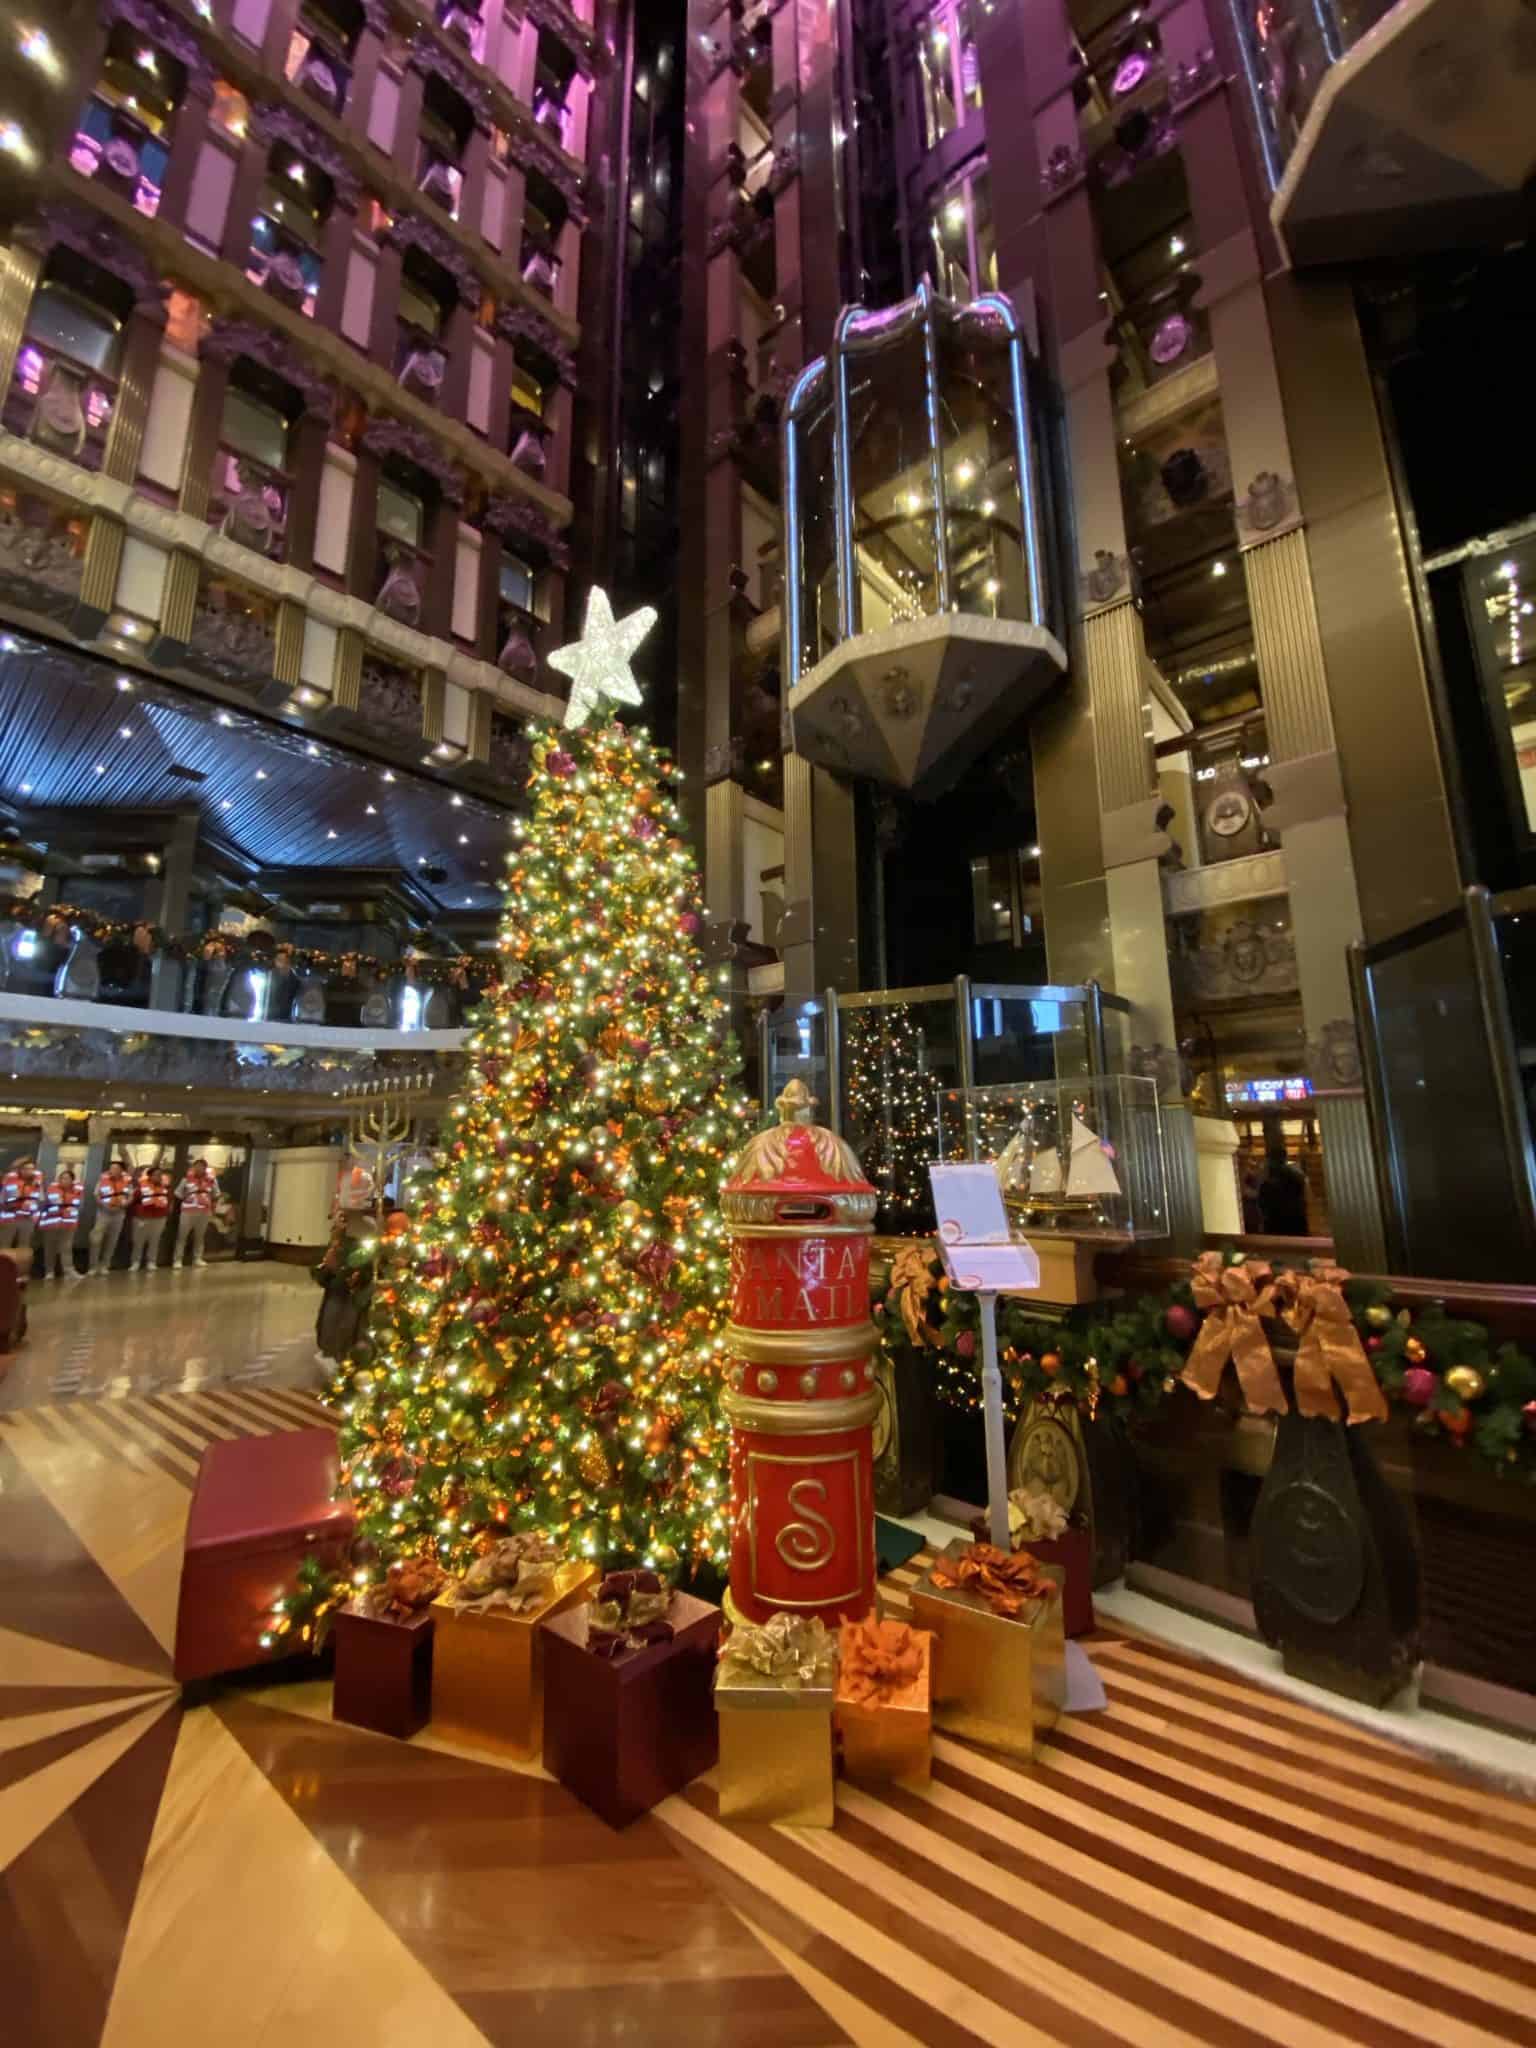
x,y
1202,1862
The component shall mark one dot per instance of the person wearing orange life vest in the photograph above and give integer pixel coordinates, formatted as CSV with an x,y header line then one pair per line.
x,y
197,1194
21,1199
114,1198
151,1206
57,1224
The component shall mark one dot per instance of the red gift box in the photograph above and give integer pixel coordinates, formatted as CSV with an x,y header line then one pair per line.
x,y
623,1732
383,1672
262,1505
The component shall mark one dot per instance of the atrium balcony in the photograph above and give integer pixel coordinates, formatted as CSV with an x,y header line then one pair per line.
x,y
1391,127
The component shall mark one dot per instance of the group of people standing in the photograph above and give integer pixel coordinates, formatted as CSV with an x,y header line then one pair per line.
x,y
48,1213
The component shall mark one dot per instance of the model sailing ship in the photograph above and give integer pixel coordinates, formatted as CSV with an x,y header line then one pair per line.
x,y
1055,1178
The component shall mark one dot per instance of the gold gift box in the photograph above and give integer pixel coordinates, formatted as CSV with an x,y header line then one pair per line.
x,y
488,1667
775,1750
1001,1682
890,1741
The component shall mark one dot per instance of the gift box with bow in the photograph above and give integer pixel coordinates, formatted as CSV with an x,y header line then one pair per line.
x,y
1038,1523
885,1702
774,1689
487,1658
1000,1651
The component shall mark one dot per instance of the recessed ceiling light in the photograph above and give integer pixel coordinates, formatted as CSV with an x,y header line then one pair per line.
x,y
226,805
26,789
388,775
457,802
101,768
123,683
373,810
261,774
1175,245
125,732
330,835
1218,568
224,717
313,751
463,839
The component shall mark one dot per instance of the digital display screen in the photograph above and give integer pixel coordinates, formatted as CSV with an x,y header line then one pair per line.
x,y
1286,1088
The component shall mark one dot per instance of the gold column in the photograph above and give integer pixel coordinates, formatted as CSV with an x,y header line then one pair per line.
x,y
347,677
141,359
288,643
480,709
178,605
1114,656
723,813
434,698
99,572
1289,647
19,270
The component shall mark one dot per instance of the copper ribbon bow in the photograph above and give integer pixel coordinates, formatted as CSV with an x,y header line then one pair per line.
x,y
1330,1347
790,1650
1234,1299
880,1659
911,1284
1008,1581
517,1573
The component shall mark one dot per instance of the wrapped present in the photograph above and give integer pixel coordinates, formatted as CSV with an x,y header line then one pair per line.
x,y
629,1721
383,1670
773,1695
1039,1524
487,1658
885,1701
1000,1653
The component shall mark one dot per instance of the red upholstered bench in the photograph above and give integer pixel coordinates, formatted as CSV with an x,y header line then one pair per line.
x,y
262,1505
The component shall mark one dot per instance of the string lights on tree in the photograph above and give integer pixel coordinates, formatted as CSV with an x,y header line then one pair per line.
x,y
547,1354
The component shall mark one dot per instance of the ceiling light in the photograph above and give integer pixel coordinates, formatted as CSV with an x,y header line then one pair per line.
x,y
388,775
991,586
954,214
37,49
965,472
125,732
26,789
224,717
911,502
1218,568
1175,245
373,810
1031,853
1508,571
457,801
313,751
330,835
226,805
100,768
15,143
123,683
988,506
463,839
261,774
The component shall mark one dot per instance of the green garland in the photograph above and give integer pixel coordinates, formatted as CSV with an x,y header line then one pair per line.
x,y
1120,1361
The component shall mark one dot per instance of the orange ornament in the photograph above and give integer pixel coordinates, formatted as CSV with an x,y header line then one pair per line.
x,y
1119,1384
1050,1362
1458,1424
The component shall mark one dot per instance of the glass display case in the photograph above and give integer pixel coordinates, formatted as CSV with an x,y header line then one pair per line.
x,y
1080,1158
879,1063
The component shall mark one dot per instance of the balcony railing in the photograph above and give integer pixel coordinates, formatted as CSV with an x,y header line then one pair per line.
x,y
249,502
61,404
460,21
319,70
288,267
1291,44
539,263
123,153
439,179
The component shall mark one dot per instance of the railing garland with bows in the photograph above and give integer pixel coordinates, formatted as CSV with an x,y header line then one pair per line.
x,y
1351,1351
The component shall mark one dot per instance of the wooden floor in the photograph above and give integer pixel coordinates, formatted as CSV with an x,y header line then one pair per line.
x,y
1202,1862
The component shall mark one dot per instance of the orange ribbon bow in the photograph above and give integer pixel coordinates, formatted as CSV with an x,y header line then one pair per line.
x,y
1330,1348
880,1659
1234,1299
1007,1580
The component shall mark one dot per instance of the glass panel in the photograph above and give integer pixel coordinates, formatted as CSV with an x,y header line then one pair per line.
x,y
77,329
1081,1157
892,481
815,494
988,575
992,899
255,429
950,230
516,582
984,265
1028,1035
795,1049
967,63
1504,602
419,307
893,1058
400,514
936,60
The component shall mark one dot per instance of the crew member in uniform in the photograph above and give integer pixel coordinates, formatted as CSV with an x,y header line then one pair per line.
x,y
114,1198
21,1197
57,1225
197,1194
151,1206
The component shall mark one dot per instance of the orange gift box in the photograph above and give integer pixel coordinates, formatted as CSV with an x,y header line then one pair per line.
x,y
884,1704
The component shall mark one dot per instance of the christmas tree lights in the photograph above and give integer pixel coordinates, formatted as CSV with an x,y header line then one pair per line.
x,y
547,1352
891,1109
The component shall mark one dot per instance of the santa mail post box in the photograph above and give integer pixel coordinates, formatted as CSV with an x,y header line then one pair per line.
x,y
801,1400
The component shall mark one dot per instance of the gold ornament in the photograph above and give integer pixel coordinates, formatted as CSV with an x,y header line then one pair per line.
x,y
461,1427
666,1556
363,1382
1415,1352
1378,1315
1466,1381
593,1465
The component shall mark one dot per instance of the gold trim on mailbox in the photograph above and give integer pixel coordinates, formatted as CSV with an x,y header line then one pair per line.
x,y
800,1418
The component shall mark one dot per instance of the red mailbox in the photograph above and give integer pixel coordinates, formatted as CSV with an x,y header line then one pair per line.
x,y
801,1401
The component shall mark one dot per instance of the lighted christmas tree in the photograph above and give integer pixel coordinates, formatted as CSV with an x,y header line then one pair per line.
x,y
890,1110
547,1353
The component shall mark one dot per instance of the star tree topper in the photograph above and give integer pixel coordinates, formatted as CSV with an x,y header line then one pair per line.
x,y
598,663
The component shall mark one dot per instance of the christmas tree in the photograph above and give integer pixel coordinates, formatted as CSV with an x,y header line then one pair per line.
x,y
546,1355
891,1110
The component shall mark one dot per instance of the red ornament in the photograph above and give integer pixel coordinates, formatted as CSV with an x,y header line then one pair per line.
x,y
1420,1386
689,923
560,763
1528,1412
1458,1424
1373,1345
1181,1323
965,1344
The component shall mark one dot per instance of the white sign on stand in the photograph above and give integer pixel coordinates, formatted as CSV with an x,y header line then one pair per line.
x,y
982,1259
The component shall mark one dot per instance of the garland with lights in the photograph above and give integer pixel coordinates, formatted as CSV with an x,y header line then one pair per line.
x,y
1120,1361
58,921
546,1353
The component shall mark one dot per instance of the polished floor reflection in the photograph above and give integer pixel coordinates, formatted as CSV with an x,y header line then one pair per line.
x,y
1201,1862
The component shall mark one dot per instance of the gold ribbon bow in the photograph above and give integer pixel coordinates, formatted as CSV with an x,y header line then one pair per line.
x,y
790,1649
1234,1298
1330,1349
911,1284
